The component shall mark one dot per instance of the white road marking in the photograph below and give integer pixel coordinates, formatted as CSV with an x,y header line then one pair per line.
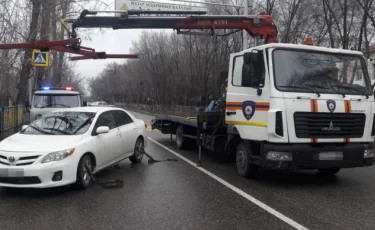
x,y
237,190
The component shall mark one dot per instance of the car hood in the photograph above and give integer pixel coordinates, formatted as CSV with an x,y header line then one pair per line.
x,y
38,143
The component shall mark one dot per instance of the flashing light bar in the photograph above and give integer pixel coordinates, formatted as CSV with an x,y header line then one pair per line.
x,y
57,88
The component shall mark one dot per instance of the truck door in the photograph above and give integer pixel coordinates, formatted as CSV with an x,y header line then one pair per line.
x,y
248,99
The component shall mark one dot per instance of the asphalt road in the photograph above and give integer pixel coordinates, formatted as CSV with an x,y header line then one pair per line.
x,y
177,195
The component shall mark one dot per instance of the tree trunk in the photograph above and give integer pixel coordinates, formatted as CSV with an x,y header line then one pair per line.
x,y
44,35
345,42
60,62
26,64
54,37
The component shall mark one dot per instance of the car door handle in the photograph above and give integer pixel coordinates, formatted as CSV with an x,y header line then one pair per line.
x,y
231,113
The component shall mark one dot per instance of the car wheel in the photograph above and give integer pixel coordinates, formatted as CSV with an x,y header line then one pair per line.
x,y
244,166
138,151
83,176
329,171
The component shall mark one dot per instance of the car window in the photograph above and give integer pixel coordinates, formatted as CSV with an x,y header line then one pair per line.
x,y
122,118
105,119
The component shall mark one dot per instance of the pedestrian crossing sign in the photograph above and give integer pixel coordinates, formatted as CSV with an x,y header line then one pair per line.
x,y
40,58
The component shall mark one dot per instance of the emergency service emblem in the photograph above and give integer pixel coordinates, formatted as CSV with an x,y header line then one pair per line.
x,y
331,105
248,109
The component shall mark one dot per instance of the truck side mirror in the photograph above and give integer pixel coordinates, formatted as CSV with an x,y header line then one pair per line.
x,y
84,103
252,69
27,104
250,58
249,78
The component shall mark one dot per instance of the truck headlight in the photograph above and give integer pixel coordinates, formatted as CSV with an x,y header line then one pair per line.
x,y
58,156
368,153
279,156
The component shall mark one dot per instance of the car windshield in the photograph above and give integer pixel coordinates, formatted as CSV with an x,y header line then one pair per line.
x,y
55,100
320,72
61,123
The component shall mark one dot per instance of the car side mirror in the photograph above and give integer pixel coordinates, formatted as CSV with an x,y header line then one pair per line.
x,y
102,130
24,127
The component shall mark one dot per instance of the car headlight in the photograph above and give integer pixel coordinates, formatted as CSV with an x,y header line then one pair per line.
x,y
58,156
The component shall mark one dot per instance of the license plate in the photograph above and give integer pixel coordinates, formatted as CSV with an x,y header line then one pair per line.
x,y
11,173
330,156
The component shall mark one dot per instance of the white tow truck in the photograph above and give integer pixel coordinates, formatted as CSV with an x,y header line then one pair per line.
x,y
49,98
287,107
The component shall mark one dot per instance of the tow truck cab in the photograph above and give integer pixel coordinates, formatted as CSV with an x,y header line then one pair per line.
x,y
50,98
300,107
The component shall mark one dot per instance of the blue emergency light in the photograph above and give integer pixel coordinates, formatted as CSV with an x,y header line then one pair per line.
x,y
57,88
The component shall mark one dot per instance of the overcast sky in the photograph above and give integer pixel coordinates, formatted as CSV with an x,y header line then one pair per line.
x,y
110,41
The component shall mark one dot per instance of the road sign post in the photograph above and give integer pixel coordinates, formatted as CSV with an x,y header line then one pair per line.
x,y
40,58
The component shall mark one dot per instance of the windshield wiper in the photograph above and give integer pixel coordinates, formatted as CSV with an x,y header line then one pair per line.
x,y
66,106
51,106
300,87
39,130
58,130
83,125
352,88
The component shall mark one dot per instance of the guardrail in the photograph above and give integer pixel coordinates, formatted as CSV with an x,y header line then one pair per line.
x,y
11,119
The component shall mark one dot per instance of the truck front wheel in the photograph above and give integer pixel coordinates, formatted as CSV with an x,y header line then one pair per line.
x,y
243,161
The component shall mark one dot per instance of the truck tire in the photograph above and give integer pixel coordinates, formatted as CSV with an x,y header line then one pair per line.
x,y
244,166
181,141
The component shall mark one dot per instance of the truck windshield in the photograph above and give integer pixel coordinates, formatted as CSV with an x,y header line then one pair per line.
x,y
55,101
320,72
61,123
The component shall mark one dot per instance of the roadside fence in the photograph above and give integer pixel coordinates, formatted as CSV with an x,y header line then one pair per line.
x,y
11,120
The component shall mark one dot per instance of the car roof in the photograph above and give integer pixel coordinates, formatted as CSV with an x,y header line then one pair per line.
x,y
95,109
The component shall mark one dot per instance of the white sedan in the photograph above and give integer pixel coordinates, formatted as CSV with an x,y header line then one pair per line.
x,y
55,149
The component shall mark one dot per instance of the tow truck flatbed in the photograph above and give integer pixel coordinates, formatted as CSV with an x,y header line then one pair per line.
x,y
163,122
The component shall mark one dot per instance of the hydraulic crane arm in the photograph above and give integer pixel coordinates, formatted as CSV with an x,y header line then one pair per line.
x,y
69,46
256,25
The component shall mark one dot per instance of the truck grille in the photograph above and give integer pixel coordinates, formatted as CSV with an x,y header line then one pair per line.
x,y
329,125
